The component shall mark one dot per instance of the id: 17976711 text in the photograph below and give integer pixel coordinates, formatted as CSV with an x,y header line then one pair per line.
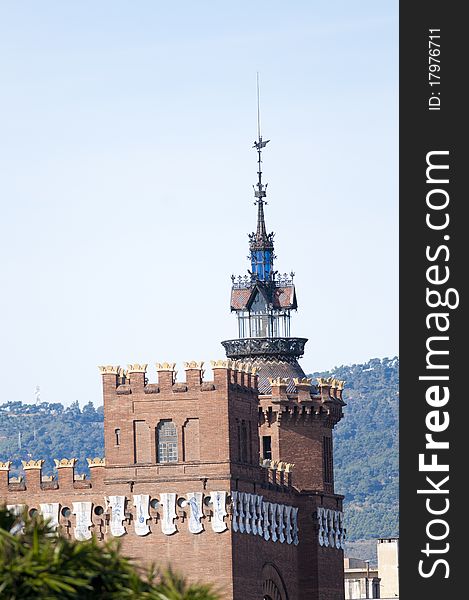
x,y
434,68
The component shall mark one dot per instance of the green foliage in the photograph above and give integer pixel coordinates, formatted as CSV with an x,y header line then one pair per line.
x,y
35,563
366,448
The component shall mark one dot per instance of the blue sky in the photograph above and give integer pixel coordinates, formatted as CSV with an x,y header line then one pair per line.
x,y
126,175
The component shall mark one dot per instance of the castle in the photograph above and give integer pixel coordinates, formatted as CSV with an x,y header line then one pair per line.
x,y
230,480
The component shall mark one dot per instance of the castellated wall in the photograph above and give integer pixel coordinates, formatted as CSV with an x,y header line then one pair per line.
x,y
197,499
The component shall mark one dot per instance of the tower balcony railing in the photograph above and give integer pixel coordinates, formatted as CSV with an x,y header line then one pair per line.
x,y
244,282
250,347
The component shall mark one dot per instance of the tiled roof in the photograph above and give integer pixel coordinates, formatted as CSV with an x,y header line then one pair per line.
x,y
282,297
271,369
239,298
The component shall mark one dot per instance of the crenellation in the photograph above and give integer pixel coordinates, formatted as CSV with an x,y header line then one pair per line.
x,y
35,482
331,389
137,368
221,373
134,380
65,463
96,462
110,370
194,374
179,386
279,387
124,389
33,473
207,386
152,388
136,374
4,476
166,375
304,388
32,465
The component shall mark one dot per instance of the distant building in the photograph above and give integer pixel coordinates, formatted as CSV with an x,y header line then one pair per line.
x,y
363,581
388,567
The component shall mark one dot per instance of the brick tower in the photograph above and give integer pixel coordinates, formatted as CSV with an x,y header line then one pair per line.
x,y
296,418
228,480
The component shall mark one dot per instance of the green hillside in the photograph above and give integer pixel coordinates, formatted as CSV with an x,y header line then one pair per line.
x,y
365,450
50,431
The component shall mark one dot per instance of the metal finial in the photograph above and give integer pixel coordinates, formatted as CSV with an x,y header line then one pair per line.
x,y
260,193
258,109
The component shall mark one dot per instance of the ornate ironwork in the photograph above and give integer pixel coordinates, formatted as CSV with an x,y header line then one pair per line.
x,y
258,347
245,282
284,280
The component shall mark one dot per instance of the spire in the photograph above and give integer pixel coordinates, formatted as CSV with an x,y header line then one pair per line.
x,y
260,240
261,243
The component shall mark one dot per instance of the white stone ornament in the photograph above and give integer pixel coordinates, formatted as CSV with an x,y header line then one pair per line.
x,y
50,512
83,522
321,526
296,541
288,525
16,510
326,527
331,528
241,512
260,527
234,499
168,502
273,522
247,513
117,506
342,531
265,515
253,511
142,513
336,530
219,511
194,501
281,523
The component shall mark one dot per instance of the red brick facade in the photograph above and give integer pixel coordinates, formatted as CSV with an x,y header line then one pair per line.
x,y
282,534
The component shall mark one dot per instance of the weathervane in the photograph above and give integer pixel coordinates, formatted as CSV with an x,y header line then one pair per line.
x,y
258,145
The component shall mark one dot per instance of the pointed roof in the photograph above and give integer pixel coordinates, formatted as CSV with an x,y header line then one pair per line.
x,y
281,297
260,239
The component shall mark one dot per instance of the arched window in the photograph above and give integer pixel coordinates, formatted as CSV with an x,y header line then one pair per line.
x,y
273,587
117,440
167,442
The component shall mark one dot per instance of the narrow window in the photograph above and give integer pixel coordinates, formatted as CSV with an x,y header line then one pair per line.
x,y
267,447
117,433
327,460
167,442
244,442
